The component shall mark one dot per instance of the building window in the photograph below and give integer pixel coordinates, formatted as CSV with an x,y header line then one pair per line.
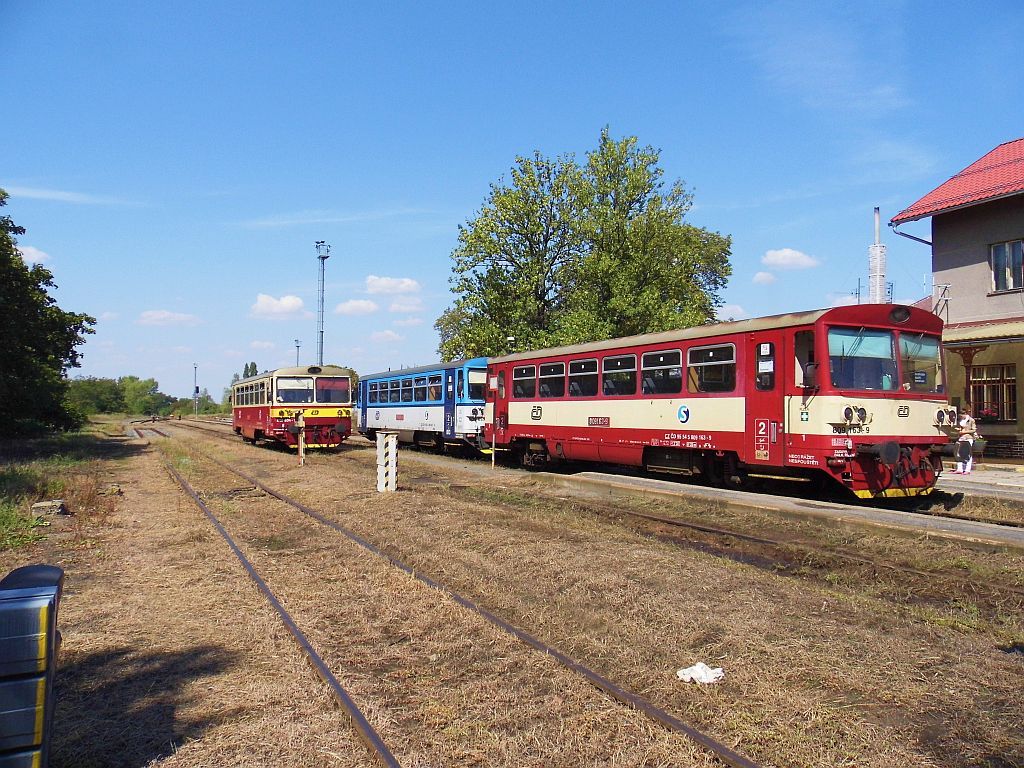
x,y
1008,265
994,392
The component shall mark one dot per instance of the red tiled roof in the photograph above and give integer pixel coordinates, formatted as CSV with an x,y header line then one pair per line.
x,y
997,174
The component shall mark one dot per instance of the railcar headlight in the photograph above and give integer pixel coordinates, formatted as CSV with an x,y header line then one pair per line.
x,y
862,414
940,416
952,416
848,413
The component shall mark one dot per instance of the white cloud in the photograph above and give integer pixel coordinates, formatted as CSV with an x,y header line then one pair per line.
x,y
764,278
376,284
356,307
62,196
165,317
383,337
306,218
32,255
109,316
732,312
406,305
261,345
285,308
788,258
841,299
408,322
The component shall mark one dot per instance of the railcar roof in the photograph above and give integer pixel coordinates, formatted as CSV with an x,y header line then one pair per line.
x,y
856,313
424,368
301,370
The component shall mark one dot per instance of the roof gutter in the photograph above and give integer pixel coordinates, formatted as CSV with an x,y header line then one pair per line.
x,y
895,228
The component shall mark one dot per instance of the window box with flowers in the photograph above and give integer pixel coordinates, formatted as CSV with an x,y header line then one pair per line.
x,y
987,415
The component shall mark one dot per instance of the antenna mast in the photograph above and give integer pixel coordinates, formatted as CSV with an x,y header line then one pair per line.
x,y
323,251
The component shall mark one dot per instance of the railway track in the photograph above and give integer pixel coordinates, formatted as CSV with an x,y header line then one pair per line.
x,y
723,753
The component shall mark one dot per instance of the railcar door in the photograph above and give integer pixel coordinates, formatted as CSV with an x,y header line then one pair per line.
x,y
450,399
763,388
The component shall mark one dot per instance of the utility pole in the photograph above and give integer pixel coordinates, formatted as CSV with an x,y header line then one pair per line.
x,y
297,344
323,251
195,389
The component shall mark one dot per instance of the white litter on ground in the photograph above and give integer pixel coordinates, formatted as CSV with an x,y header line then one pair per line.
x,y
700,673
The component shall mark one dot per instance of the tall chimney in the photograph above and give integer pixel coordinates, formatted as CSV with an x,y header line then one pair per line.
x,y
876,267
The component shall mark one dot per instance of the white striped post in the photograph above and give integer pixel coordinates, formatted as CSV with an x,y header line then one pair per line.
x,y
387,461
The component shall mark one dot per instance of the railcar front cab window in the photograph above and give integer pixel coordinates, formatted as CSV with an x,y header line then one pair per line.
x,y
295,389
330,389
865,358
477,383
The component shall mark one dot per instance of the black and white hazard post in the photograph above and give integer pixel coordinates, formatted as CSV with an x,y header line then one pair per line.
x,y
387,461
300,422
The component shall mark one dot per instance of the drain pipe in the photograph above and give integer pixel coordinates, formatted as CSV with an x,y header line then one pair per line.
x,y
895,228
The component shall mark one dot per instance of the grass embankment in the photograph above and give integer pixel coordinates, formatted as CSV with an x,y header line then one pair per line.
x,y
63,467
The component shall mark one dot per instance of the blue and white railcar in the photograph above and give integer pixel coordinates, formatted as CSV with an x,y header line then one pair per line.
x,y
432,405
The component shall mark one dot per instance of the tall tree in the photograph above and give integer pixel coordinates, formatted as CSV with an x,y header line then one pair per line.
x,y
647,269
90,395
565,254
515,262
39,342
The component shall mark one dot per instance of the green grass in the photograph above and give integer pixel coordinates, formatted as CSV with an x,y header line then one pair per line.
x,y
16,528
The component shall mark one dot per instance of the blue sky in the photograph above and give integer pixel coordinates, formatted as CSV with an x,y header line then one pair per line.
x,y
175,164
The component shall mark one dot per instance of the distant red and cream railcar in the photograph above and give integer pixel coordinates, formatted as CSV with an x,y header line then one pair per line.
x,y
272,404
850,394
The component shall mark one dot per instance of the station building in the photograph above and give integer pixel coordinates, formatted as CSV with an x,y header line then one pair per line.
x,y
977,243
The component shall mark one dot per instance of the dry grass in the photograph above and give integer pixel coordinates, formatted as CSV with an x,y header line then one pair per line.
x,y
172,658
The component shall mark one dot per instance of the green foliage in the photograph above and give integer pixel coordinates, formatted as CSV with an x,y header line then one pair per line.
x,y
569,253
40,341
91,395
250,369
142,396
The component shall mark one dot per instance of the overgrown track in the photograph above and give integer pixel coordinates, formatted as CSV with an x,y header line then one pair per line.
x,y
721,751
366,731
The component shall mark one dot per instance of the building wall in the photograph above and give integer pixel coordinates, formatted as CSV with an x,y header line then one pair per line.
x,y
960,258
1003,439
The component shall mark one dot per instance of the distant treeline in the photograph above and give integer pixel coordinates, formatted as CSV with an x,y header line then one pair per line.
x,y
130,394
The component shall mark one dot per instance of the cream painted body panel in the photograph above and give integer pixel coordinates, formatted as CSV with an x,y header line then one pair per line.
x,y
704,414
825,418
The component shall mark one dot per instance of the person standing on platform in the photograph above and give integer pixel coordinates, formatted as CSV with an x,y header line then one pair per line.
x,y
965,443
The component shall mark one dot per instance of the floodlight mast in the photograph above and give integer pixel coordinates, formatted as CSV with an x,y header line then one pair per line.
x,y
323,251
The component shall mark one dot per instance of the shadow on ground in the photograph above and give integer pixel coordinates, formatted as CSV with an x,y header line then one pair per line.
x,y
77,446
123,709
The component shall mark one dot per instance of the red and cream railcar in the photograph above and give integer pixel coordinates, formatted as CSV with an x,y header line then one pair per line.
x,y
273,404
853,394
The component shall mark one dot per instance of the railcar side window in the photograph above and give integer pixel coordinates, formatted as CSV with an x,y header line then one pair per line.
x,y
394,391
662,373
477,383
552,380
764,375
712,369
805,371
420,389
434,387
406,390
293,389
619,375
462,384
582,378
524,381
372,398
